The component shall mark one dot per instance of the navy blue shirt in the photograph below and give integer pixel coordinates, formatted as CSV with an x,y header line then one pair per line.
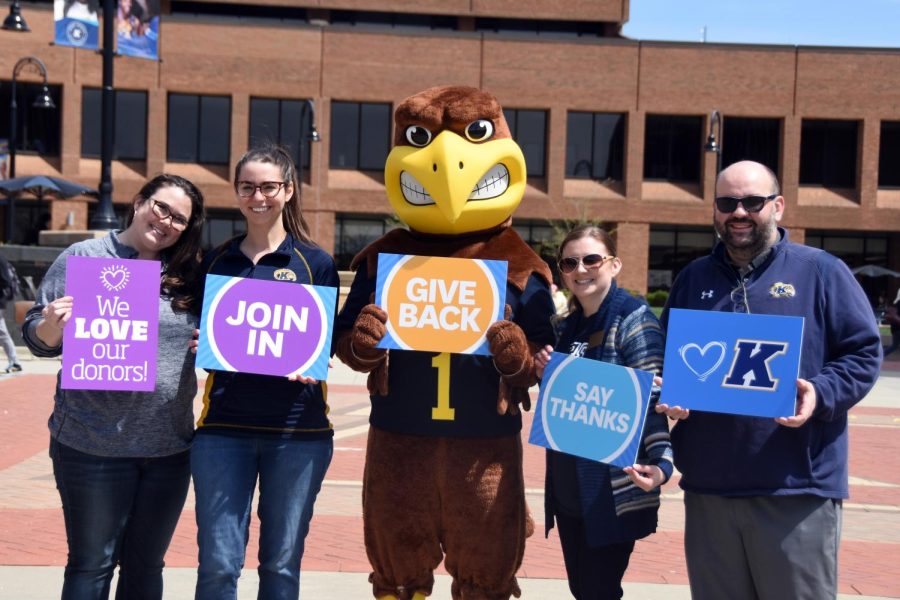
x,y
731,455
245,403
474,383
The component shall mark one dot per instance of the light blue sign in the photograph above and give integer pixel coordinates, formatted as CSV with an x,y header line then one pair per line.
x,y
733,363
591,409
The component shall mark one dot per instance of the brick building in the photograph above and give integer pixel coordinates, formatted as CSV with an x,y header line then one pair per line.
x,y
613,129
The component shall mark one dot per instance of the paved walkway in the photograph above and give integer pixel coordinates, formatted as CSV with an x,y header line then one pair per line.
x,y
33,548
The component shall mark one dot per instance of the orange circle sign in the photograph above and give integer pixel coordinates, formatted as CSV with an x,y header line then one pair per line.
x,y
440,304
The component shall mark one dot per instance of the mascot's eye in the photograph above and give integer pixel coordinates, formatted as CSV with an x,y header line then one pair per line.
x,y
418,136
480,130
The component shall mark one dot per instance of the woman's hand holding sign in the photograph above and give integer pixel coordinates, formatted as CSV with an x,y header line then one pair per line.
x,y
645,477
541,358
56,315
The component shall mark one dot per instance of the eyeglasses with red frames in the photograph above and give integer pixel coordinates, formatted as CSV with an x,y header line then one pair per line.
x,y
752,204
590,261
269,189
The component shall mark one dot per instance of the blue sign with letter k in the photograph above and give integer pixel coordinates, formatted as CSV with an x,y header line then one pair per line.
x,y
736,363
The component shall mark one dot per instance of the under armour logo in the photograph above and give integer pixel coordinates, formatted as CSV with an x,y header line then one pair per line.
x,y
707,295
750,367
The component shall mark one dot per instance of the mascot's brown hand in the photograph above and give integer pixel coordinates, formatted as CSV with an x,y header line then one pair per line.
x,y
507,344
513,359
368,330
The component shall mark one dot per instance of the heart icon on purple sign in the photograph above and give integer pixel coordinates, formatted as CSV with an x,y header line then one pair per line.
x,y
699,360
114,278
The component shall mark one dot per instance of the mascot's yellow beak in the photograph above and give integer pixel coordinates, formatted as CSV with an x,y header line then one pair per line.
x,y
454,186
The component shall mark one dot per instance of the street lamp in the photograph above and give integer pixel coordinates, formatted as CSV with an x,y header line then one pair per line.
x,y
313,136
14,21
105,217
43,100
715,130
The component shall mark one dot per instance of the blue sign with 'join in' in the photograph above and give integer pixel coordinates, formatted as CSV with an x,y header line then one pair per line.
x,y
591,409
734,363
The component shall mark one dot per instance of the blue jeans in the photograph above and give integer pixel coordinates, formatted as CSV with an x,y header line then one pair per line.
x,y
118,511
225,469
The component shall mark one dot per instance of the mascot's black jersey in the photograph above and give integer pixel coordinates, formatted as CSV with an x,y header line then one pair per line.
x,y
455,395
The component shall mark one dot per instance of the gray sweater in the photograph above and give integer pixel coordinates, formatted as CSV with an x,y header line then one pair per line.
x,y
117,423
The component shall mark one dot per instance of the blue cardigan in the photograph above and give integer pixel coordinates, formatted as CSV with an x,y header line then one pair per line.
x,y
732,455
624,331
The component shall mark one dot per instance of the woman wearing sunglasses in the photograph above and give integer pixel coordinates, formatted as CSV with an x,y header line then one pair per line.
x,y
120,459
600,509
259,427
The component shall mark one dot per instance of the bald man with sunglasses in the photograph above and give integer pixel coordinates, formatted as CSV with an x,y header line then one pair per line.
x,y
763,496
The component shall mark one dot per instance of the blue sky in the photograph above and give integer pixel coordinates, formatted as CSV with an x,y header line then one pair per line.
x,y
874,23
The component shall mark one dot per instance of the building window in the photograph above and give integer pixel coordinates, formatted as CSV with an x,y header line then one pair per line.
x,y
129,124
828,153
353,233
360,135
595,146
199,129
37,129
284,122
889,155
529,129
672,145
748,138
222,225
854,249
672,249
543,237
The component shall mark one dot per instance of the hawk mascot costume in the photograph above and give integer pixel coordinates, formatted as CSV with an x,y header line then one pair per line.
x,y
448,484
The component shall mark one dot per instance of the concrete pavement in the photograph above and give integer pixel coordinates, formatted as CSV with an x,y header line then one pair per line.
x,y
32,538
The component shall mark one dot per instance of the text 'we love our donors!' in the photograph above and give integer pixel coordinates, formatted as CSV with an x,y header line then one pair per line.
x,y
110,342
439,304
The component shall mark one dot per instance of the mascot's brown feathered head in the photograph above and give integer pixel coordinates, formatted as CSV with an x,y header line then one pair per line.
x,y
454,168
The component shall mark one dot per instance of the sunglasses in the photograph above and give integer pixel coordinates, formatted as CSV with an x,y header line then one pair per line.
x,y
752,204
590,261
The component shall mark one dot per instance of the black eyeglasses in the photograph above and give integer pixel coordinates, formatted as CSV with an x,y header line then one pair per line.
x,y
163,212
590,261
269,189
752,204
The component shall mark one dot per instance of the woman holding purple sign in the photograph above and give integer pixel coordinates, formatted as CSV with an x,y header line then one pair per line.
x,y
600,509
120,458
260,427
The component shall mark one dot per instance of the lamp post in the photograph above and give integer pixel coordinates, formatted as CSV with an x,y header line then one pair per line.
x,y
42,101
14,21
105,217
715,130
308,106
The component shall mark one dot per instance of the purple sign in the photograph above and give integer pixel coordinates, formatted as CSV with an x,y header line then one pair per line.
x,y
266,327
109,342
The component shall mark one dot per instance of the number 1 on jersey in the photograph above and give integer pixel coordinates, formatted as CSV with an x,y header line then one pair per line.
x,y
443,411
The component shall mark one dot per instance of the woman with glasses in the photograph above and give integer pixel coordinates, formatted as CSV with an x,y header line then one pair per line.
x,y
121,459
260,427
600,509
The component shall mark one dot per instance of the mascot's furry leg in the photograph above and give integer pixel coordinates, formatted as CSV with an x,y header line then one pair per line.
x,y
425,496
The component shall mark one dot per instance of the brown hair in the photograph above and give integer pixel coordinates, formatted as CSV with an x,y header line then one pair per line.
x,y
583,231
292,215
180,278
